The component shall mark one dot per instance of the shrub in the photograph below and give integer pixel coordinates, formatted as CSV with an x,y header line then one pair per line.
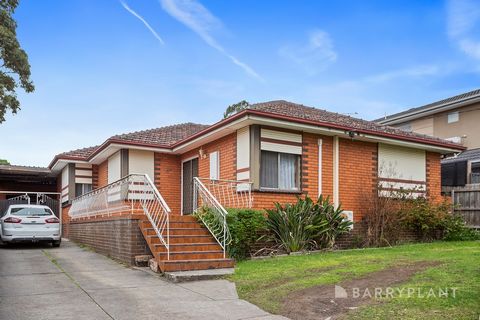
x,y
246,226
425,217
306,224
455,229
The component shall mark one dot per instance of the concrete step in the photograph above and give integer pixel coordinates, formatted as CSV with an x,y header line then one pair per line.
x,y
196,275
197,264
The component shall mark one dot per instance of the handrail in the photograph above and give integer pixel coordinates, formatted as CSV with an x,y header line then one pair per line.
x,y
210,197
129,193
217,227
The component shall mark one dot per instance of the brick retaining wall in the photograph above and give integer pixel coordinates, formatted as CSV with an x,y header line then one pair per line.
x,y
119,238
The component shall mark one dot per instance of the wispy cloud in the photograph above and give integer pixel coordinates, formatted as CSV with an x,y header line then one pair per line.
x,y
412,72
315,56
139,17
463,26
201,21
373,95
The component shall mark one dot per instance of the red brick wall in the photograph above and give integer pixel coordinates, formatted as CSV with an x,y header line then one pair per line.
x,y
94,176
434,179
227,147
167,179
357,175
65,221
103,174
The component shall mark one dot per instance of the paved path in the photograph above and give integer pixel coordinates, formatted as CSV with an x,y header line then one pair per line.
x,y
40,282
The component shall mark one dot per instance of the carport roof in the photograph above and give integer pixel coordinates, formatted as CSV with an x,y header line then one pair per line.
x,y
28,170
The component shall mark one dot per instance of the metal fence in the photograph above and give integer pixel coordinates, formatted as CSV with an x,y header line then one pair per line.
x,y
41,198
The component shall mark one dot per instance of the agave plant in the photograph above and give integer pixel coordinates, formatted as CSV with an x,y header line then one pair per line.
x,y
306,224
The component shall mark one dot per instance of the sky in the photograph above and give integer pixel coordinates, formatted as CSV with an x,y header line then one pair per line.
x,y
107,67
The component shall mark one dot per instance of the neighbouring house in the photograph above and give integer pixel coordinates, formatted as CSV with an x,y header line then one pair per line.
x,y
455,119
134,193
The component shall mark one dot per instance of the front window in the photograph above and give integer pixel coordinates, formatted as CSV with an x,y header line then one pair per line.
x,y
280,171
82,188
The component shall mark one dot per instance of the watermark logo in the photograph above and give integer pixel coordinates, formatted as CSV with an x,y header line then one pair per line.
x,y
389,292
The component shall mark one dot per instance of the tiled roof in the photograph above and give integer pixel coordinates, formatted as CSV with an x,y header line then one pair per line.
x,y
167,137
299,111
80,154
454,99
472,154
164,136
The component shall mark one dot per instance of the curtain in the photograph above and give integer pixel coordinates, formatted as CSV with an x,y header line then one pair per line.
x,y
287,175
269,169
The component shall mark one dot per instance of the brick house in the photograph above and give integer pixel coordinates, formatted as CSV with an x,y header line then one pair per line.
x,y
269,152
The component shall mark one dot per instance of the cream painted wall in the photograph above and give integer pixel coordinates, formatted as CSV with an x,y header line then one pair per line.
x,y
142,162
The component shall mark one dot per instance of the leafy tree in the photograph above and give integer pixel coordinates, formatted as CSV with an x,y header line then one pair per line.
x,y
3,161
14,69
235,108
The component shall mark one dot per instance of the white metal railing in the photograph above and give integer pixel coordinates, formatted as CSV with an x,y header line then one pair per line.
x,y
230,193
210,197
135,191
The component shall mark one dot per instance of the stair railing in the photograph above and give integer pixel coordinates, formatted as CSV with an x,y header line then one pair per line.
x,y
129,194
210,197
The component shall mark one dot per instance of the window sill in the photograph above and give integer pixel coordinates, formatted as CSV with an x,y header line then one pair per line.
x,y
278,191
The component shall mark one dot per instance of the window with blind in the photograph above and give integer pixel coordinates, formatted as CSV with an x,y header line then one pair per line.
x,y
82,188
279,171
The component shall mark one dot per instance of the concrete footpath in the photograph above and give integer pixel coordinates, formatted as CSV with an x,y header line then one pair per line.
x,y
40,282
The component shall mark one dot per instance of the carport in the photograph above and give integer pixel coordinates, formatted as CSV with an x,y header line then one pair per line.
x,y
28,185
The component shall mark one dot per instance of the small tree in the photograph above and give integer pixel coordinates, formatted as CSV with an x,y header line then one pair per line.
x,y
3,161
235,108
14,61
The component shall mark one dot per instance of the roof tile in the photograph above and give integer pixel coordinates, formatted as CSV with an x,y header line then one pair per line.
x,y
299,111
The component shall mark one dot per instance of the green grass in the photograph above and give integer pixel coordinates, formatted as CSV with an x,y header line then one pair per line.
x,y
267,283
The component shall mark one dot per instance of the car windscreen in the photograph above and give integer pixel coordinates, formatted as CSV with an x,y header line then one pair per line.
x,y
30,211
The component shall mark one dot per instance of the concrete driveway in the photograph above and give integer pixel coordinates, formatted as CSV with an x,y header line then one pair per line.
x,y
40,282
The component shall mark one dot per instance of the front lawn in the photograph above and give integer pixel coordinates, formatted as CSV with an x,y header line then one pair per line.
x,y
274,284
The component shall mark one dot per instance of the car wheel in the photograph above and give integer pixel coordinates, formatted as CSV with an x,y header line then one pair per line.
x,y
56,244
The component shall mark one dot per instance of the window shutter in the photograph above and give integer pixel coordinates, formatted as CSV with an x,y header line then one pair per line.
x,y
214,166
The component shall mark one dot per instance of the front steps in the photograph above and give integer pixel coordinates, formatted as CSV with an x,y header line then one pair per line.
x,y
192,247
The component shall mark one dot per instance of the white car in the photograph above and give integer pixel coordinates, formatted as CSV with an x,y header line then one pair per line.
x,y
34,223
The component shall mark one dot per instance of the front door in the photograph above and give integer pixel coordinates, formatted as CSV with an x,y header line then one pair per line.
x,y
190,170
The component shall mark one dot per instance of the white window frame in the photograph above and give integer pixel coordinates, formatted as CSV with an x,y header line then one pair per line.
x,y
453,117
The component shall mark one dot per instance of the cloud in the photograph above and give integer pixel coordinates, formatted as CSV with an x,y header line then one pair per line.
x,y
201,21
463,26
314,56
413,72
373,95
139,17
